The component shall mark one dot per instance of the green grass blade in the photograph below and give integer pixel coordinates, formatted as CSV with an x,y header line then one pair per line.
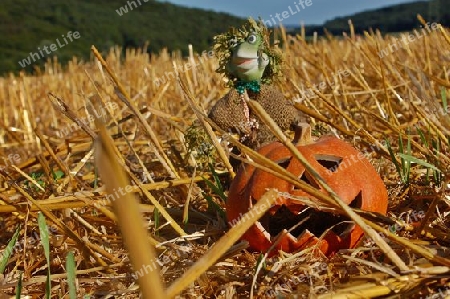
x,y
219,188
436,145
259,261
444,98
408,163
71,269
9,250
95,177
57,175
437,178
216,190
394,160
422,136
401,150
43,231
412,159
19,287
214,207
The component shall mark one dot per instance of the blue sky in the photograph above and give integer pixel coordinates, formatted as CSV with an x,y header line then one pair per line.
x,y
318,11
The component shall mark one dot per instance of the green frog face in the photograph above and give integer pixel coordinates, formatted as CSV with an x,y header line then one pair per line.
x,y
246,55
247,62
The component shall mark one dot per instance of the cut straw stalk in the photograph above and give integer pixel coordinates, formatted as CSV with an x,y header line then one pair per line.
x,y
221,246
307,62
280,172
41,278
261,162
363,131
267,165
85,246
259,111
130,220
123,95
375,290
82,198
207,127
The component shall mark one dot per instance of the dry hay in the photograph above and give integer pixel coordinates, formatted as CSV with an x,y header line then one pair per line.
x,y
341,83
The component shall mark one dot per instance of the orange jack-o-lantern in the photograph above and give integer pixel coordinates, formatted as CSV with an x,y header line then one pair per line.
x,y
343,168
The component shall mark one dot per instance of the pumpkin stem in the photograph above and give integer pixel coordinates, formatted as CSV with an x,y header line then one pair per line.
x,y
302,134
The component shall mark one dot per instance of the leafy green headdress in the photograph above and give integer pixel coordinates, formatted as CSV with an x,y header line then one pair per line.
x,y
224,43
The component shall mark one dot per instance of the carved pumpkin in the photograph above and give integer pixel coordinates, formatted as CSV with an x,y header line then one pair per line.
x,y
344,169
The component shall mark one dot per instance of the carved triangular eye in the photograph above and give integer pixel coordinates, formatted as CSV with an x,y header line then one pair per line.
x,y
284,162
357,201
329,162
307,179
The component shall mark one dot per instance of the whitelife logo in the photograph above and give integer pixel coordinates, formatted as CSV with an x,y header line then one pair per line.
x,y
407,39
124,9
47,50
286,14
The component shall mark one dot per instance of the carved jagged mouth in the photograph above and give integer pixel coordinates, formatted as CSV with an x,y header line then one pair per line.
x,y
281,218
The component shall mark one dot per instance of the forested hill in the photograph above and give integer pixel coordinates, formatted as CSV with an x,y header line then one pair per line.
x,y
395,18
28,25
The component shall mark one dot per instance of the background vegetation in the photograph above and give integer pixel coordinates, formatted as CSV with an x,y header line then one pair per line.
x,y
26,25
395,18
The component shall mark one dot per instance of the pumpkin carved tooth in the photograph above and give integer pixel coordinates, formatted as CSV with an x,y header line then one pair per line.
x,y
263,230
342,167
289,235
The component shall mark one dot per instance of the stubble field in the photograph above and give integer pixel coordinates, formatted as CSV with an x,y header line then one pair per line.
x,y
385,95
